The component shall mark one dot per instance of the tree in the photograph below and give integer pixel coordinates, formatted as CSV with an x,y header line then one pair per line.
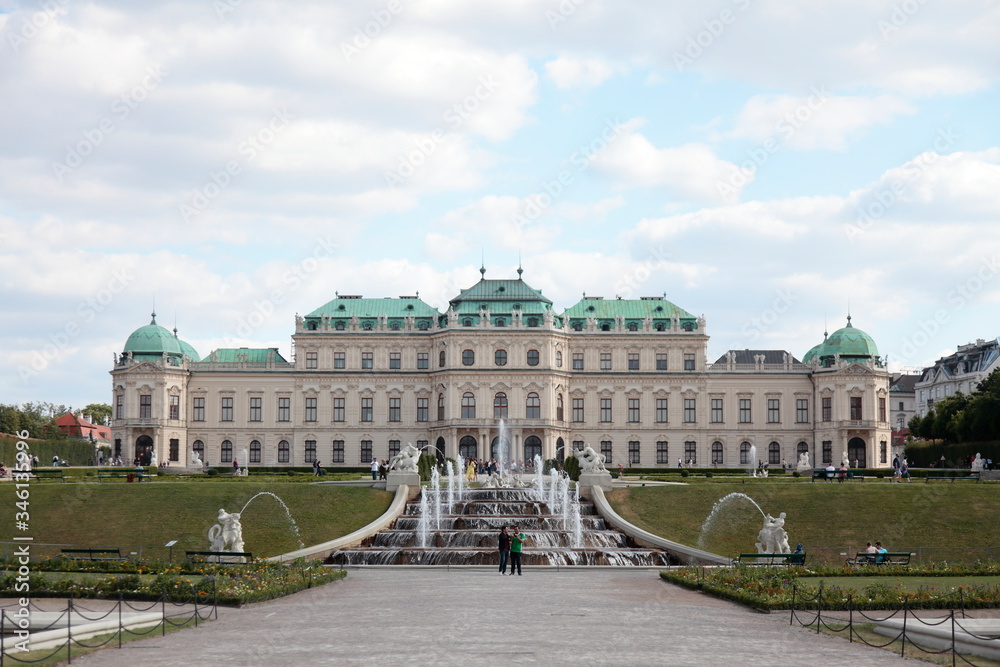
x,y
99,413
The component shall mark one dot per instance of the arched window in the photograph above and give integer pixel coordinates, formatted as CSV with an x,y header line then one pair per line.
x,y
661,327
532,357
467,322
467,447
560,450
255,451
199,447
605,327
312,326
717,455
688,326
801,448
745,454
559,407
440,407
500,357
227,451
367,326
500,322
468,405
500,406
284,452
632,326
468,357
424,325
533,407
532,447
339,326
774,454
532,321
558,358
441,359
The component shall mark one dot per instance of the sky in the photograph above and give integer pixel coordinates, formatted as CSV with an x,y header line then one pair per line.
x,y
769,165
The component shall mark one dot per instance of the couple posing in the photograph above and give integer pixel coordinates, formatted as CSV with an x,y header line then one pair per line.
x,y
511,544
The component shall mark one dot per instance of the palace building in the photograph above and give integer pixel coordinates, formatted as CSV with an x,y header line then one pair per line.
x,y
628,376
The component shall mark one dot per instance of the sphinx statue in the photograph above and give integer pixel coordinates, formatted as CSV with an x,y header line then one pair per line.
x,y
227,535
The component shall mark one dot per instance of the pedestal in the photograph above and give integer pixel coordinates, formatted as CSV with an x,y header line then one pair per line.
x,y
591,479
395,479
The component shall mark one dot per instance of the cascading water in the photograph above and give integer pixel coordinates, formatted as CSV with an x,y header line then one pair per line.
x,y
423,527
503,447
288,513
553,487
451,487
461,478
436,497
539,479
720,505
753,461
576,520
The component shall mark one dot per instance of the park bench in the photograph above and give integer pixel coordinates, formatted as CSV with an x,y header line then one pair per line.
x,y
835,475
770,559
48,473
888,558
970,476
128,474
220,556
94,553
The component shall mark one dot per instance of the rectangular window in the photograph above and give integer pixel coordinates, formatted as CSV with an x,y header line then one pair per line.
x,y
120,407
606,451
311,409
881,409
827,409
395,360
339,360
175,408
393,448
883,452
422,444
227,451
423,409
338,451
578,445
395,409
366,451
605,409
367,360
284,409
578,361
633,361
827,451
227,408
198,410
900,404
856,408
312,359
746,412
690,453
310,451
633,410
661,361
440,407
661,411
145,406
256,409
366,409
801,410
773,411
689,410
605,361
689,361
339,409
175,449
578,409
662,456
423,361
633,452
717,411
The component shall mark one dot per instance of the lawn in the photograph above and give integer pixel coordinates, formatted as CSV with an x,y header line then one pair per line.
x,y
828,519
151,514
936,585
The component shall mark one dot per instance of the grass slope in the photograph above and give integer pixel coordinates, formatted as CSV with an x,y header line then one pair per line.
x,y
151,514
901,516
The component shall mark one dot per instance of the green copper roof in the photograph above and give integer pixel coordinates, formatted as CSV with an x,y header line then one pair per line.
x,y
254,355
151,341
501,295
849,343
814,351
348,307
634,310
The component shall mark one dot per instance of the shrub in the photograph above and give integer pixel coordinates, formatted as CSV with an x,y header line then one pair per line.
x,y
684,472
212,472
549,465
708,474
572,467
796,474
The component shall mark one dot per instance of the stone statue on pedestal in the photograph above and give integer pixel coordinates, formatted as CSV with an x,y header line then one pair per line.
x,y
227,535
406,460
590,460
772,538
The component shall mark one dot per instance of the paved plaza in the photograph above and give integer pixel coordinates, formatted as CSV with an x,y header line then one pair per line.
x,y
426,616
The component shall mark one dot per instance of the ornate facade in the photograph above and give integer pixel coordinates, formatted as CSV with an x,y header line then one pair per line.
x,y
630,377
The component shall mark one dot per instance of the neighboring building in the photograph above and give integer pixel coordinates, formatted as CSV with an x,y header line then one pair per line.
x,y
80,426
627,376
903,399
961,371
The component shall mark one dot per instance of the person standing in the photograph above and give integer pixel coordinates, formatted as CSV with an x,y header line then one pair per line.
x,y
236,466
504,547
374,469
516,544
904,469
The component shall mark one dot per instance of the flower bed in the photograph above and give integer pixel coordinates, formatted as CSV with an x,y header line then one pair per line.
x,y
233,585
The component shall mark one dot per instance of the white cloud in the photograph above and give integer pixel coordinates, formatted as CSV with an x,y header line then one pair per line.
x,y
567,72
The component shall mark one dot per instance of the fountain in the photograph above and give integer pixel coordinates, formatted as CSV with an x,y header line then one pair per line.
x,y
772,538
451,486
227,534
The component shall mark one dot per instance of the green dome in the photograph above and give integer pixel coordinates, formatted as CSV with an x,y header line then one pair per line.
x,y
189,350
849,343
811,354
153,340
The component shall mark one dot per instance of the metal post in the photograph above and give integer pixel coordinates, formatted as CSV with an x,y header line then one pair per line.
x,y
952,614
791,617
819,607
850,617
902,637
163,611
119,620
69,630
3,633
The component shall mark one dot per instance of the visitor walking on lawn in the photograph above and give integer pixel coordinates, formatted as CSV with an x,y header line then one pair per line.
x,y
516,544
504,547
